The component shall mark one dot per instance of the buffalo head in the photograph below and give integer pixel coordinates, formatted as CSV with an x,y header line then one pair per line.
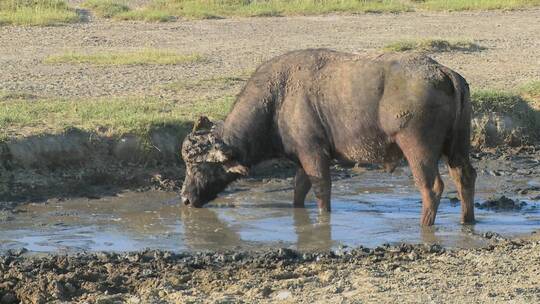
x,y
210,165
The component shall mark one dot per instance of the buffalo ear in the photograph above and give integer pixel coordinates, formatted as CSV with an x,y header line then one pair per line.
x,y
236,167
203,123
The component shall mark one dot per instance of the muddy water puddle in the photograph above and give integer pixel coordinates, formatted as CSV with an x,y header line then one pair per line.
x,y
369,209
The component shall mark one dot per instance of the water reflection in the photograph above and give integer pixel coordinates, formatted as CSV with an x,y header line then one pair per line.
x,y
312,234
428,235
204,230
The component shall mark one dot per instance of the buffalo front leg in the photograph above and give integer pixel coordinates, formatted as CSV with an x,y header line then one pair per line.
x,y
464,177
302,184
317,168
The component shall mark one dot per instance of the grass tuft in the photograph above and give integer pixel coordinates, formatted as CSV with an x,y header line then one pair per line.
x,y
106,8
148,56
36,12
433,45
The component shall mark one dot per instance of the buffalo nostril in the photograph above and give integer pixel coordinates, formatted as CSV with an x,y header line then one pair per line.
x,y
185,201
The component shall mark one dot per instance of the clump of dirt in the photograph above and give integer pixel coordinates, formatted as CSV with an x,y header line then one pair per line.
x,y
412,272
501,203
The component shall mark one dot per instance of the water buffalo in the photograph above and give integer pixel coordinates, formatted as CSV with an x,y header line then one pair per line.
x,y
316,105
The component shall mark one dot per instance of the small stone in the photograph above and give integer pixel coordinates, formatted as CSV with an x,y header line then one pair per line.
x,y
413,256
283,295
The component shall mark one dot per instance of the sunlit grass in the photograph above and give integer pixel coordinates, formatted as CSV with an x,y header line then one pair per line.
x,y
106,8
147,56
134,115
36,12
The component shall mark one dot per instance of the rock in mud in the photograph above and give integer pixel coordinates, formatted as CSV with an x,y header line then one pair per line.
x,y
501,203
8,298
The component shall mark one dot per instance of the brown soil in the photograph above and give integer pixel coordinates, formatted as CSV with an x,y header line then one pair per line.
x,y
233,46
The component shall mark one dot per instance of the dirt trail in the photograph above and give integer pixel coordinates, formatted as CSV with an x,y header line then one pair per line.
x,y
233,46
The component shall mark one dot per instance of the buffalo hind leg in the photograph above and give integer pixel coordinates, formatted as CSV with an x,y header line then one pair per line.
x,y
438,187
317,168
302,184
430,184
424,167
464,176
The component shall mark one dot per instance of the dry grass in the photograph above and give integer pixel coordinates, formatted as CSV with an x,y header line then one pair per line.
x,y
147,56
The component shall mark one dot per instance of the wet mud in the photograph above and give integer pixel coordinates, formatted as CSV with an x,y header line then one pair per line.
x,y
498,273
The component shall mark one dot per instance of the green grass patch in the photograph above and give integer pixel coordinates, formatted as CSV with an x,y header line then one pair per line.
x,y
36,12
148,56
465,5
106,8
433,45
118,116
208,9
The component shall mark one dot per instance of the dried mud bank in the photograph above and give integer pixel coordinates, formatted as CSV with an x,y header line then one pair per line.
x,y
82,163
506,270
493,129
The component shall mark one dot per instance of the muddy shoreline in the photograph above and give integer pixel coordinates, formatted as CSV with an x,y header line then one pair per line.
x,y
505,270
80,164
